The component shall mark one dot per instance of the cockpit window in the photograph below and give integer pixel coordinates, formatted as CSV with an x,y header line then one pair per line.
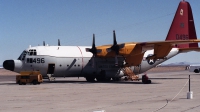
x,y
22,56
32,52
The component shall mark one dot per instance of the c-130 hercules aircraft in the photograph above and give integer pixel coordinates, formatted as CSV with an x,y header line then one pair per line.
x,y
107,62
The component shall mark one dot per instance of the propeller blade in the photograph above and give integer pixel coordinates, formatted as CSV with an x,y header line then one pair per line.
x,y
114,38
93,61
115,47
58,42
93,42
116,60
93,50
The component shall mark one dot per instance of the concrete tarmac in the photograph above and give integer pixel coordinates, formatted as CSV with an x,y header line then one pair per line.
x,y
167,93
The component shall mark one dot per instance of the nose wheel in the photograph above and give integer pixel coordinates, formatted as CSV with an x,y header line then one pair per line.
x,y
50,77
145,79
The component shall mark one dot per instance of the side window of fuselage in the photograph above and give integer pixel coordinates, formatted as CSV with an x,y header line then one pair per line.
x,y
31,52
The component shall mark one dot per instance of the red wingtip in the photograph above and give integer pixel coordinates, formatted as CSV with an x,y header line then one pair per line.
x,y
182,27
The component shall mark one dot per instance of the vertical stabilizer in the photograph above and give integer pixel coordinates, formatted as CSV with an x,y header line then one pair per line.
x,y
182,27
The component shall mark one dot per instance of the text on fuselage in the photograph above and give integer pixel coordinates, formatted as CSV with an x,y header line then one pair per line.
x,y
182,37
35,60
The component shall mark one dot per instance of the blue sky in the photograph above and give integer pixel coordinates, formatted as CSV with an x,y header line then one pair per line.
x,y
30,22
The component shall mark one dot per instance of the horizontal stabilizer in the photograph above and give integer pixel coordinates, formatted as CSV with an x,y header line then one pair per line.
x,y
184,50
151,45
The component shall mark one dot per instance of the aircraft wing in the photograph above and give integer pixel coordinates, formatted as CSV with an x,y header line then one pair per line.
x,y
133,51
161,50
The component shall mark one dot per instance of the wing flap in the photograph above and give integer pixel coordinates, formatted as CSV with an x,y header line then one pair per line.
x,y
134,60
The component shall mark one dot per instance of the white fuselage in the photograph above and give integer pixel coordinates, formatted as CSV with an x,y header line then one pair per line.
x,y
74,61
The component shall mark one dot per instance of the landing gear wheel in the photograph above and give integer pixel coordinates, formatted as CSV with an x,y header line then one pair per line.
x,y
145,79
103,79
148,82
90,79
196,71
19,83
34,82
100,79
126,78
107,79
116,79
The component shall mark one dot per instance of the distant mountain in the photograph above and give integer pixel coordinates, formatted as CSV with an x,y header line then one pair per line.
x,y
179,64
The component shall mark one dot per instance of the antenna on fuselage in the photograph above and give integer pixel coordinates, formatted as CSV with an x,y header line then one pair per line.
x,y
58,42
43,43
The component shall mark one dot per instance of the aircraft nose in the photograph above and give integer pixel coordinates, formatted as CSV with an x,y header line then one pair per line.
x,y
9,65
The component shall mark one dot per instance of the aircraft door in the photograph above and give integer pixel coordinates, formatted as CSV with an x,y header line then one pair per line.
x,y
51,68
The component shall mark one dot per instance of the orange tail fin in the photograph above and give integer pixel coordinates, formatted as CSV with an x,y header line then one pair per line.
x,y
182,27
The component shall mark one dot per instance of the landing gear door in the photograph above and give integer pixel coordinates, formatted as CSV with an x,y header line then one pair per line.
x,y
51,68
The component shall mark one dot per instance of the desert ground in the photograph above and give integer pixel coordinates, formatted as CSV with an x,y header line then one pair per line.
x,y
167,92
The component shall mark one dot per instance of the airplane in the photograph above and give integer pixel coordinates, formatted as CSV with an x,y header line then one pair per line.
x,y
106,62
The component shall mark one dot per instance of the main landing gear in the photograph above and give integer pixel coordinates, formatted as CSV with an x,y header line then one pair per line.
x,y
90,79
98,79
145,79
102,78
